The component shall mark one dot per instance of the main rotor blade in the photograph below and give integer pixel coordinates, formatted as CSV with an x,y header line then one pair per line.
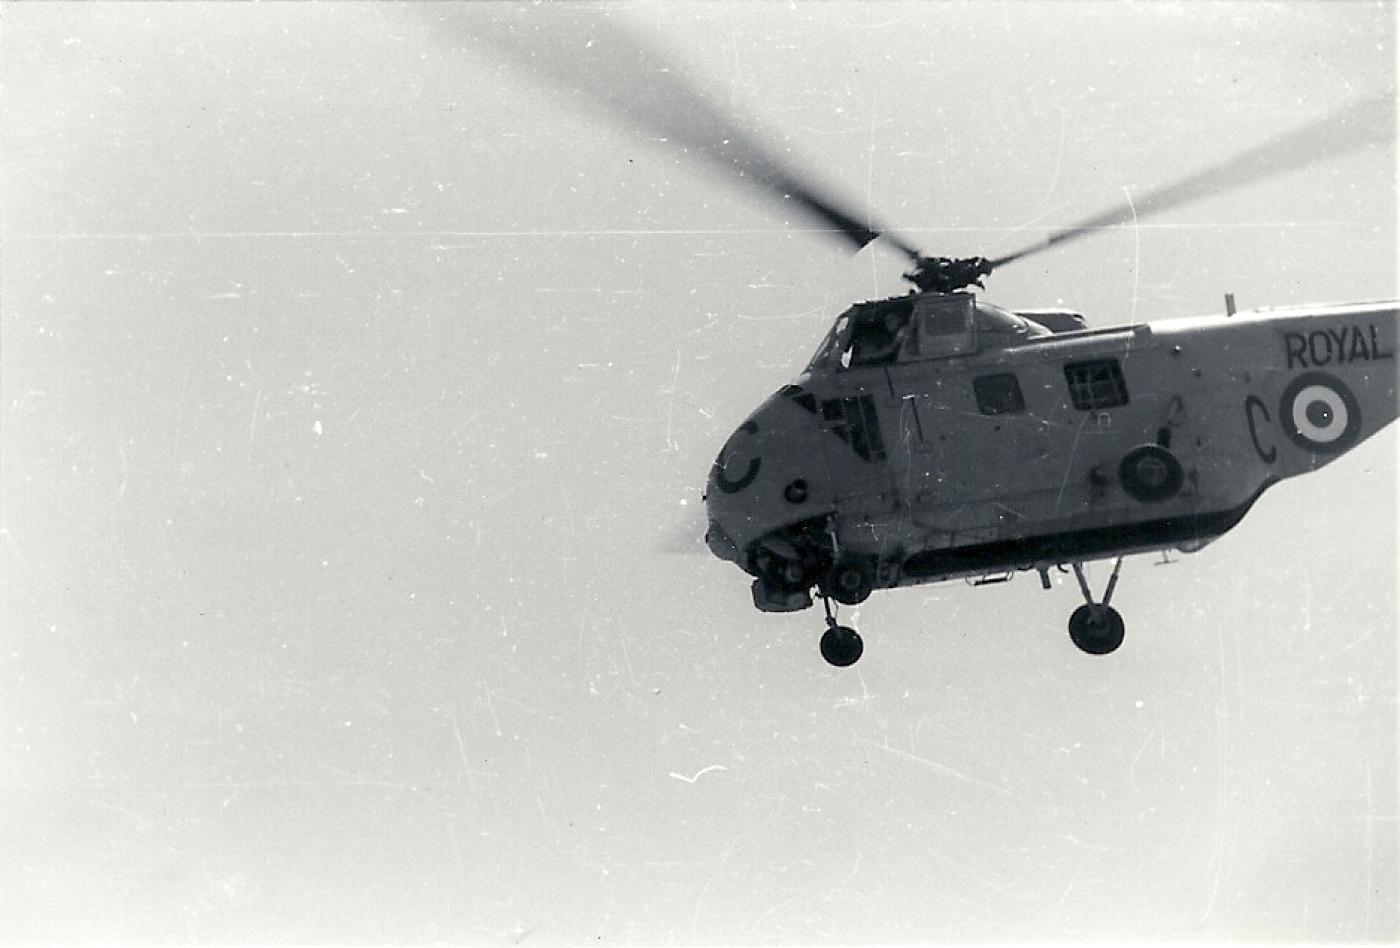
x,y
1366,121
589,52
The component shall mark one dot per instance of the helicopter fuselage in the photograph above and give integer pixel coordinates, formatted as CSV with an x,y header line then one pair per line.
x,y
933,438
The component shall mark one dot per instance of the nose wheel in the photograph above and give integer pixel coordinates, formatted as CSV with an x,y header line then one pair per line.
x,y
841,645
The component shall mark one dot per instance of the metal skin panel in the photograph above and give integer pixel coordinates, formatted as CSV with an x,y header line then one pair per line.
x,y
747,492
1227,395
1241,402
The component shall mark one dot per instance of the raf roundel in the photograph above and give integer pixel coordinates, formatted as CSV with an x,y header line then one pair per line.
x,y
1319,413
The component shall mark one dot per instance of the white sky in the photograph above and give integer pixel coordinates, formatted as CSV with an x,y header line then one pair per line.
x,y
352,379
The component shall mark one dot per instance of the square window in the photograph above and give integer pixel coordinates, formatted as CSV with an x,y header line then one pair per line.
x,y
1097,384
998,394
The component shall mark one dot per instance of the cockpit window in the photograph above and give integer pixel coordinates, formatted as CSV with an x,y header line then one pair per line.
x,y
878,335
867,334
915,327
826,352
945,327
941,322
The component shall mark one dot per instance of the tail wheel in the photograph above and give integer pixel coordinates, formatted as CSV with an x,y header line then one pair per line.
x,y
850,581
1150,473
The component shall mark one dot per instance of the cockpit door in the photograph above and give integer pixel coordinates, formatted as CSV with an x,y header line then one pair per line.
x,y
944,326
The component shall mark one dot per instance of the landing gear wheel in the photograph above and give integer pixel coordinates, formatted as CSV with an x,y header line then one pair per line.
x,y
1097,630
841,646
850,581
1096,627
1150,473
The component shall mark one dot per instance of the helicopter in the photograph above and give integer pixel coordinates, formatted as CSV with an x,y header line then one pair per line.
x,y
935,436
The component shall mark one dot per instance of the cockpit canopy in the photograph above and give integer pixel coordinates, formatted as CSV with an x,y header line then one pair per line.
x,y
919,327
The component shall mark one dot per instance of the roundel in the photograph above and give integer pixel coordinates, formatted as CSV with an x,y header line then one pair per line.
x,y
1319,413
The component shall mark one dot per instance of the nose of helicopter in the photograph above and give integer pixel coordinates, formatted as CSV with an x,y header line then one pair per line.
x,y
771,473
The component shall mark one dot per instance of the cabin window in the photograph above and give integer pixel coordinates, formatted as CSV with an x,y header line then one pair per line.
x,y
998,394
855,422
1097,384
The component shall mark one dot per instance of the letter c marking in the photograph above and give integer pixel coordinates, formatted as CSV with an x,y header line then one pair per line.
x,y
723,481
1250,405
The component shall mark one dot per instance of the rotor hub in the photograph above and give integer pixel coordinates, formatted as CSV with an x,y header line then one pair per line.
x,y
948,274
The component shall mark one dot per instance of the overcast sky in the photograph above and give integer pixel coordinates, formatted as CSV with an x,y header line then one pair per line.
x,y
353,377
